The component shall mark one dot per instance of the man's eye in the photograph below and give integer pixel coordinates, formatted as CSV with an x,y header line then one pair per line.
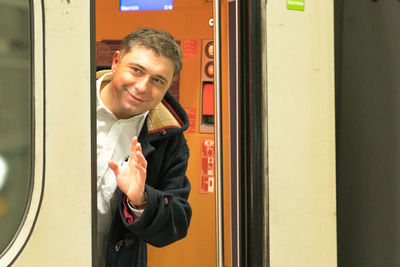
x,y
158,81
136,70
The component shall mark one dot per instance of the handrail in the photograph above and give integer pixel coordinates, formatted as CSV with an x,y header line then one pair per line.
x,y
218,134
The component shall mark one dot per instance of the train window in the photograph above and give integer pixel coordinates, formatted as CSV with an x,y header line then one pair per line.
x,y
16,144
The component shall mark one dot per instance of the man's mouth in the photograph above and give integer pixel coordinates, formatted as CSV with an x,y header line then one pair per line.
x,y
135,97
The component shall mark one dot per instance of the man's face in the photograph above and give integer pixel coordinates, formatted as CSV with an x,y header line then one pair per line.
x,y
140,81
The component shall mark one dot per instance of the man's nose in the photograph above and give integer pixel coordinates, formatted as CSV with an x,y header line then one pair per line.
x,y
142,84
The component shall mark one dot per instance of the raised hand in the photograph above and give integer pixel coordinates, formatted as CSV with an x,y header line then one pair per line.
x,y
132,180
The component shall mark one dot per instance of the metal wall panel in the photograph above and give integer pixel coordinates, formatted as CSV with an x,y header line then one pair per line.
x,y
368,140
301,135
63,232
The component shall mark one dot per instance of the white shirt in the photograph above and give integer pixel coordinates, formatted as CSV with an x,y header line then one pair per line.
x,y
114,138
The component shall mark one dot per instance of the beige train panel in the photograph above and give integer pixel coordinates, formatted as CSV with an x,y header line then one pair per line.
x,y
36,186
62,236
301,135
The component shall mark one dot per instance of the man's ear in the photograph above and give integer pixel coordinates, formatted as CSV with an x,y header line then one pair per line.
x,y
115,61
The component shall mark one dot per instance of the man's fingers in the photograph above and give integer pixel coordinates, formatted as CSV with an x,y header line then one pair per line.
x,y
139,147
114,166
140,159
133,148
142,172
136,155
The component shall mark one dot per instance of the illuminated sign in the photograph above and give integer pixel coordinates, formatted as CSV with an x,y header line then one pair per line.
x,y
140,5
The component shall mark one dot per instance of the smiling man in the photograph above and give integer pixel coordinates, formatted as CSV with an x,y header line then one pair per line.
x,y
142,155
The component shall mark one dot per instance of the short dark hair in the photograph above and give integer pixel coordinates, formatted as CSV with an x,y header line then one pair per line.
x,y
161,42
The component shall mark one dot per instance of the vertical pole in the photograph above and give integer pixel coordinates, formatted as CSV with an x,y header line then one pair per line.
x,y
218,134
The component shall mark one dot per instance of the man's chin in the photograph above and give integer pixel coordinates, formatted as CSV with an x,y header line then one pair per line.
x,y
134,112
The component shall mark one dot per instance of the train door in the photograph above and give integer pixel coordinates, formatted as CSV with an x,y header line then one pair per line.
x,y
367,94
192,24
301,133
45,144
286,134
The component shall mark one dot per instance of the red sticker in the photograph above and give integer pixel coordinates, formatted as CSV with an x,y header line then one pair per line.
x,y
190,48
207,166
191,112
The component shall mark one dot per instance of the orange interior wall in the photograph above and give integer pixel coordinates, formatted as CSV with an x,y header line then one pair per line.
x,y
187,21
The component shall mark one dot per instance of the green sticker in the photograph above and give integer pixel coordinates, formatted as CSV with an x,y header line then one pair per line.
x,y
295,5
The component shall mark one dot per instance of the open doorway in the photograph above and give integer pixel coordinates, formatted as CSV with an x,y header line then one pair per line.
x,y
191,24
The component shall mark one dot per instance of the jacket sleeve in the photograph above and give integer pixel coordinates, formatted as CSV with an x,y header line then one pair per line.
x,y
167,213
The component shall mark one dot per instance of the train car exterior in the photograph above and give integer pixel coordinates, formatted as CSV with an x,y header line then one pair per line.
x,y
275,72
56,229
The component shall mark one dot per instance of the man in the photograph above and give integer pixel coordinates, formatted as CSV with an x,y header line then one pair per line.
x,y
142,155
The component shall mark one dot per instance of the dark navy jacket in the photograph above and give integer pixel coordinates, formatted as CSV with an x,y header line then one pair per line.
x,y
167,213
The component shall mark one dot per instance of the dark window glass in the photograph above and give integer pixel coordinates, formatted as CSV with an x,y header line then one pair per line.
x,y
15,116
